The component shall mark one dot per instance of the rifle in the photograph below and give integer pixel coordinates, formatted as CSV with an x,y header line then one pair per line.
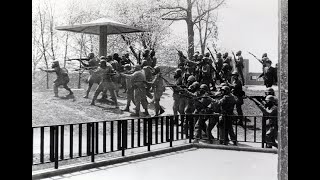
x,y
214,64
256,57
258,98
78,59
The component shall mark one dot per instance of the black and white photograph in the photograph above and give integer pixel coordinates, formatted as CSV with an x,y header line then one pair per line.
x,y
160,89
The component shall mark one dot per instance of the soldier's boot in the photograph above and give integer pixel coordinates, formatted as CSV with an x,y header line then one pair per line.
x,y
235,143
87,95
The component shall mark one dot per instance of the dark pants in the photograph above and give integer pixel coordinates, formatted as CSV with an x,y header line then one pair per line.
x,y
271,136
240,71
226,129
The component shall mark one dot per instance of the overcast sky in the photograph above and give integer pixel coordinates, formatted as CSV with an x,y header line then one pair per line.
x,y
247,25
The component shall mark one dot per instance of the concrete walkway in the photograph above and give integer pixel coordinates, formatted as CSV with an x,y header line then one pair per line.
x,y
188,165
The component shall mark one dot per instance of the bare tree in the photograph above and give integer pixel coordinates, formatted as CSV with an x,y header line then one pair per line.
x,y
206,26
42,21
183,10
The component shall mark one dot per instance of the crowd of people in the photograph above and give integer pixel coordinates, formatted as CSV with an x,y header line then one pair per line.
x,y
204,84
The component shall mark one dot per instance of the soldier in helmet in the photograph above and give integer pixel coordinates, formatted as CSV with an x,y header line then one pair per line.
x,y
115,65
270,113
237,91
227,103
129,87
106,84
269,74
240,66
201,107
179,102
225,73
153,58
93,61
148,71
62,78
158,89
138,80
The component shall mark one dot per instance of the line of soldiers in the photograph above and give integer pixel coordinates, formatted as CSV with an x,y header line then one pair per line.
x,y
194,92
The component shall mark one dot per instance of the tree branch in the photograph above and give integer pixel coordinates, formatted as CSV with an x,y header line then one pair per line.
x,y
175,19
196,20
176,7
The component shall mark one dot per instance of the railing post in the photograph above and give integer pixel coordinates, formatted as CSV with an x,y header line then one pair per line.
x,y
92,141
51,144
88,139
149,133
124,136
56,147
119,135
32,146
263,131
171,130
191,128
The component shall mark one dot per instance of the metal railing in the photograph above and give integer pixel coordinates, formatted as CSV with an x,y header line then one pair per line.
x,y
51,144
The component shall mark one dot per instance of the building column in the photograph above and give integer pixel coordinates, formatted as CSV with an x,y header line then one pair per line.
x,y
103,41
283,91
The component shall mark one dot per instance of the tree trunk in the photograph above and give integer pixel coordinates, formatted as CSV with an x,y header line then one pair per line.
x,y
190,39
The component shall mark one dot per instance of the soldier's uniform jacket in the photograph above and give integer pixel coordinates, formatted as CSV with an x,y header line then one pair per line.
x,y
148,72
269,75
138,79
62,75
158,86
219,64
227,103
105,73
273,111
93,62
239,62
237,87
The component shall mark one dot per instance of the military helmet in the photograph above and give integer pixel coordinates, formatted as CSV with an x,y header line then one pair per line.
x,y
55,62
219,55
178,71
127,66
191,78
238,53
195,84
102,57
204,87
226,89
207,54
156,69
144,63
109,58
264,55
269,90
270,98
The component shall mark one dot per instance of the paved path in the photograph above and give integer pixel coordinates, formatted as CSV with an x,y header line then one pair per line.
x,y
188,165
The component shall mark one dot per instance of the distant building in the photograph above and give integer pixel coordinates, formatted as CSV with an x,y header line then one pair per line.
x,y
251,77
